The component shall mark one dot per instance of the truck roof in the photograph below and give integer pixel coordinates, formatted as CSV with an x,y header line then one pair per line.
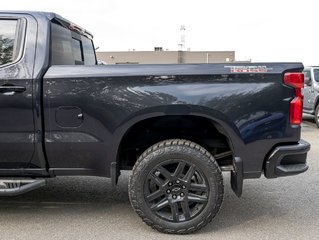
x,y
311,67
53,16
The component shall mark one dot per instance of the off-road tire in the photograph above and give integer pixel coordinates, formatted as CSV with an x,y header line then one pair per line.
x,y
191,153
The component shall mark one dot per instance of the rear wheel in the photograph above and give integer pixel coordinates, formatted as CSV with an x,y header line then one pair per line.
x,y
317,115
176,186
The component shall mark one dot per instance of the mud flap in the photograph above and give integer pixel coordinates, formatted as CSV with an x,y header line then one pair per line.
x,y
236,178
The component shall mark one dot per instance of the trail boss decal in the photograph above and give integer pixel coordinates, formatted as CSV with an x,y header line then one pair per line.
x,y
248,69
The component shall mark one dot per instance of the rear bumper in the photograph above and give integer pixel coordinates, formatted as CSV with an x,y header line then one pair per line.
x,y
287,160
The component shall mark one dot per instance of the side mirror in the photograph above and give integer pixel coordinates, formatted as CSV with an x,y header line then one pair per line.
x,y
308,80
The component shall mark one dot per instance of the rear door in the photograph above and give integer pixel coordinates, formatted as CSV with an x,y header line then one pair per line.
x,y
68,146
16,94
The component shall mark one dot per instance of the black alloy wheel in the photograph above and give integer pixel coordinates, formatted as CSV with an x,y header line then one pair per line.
x,y
176,186
176,191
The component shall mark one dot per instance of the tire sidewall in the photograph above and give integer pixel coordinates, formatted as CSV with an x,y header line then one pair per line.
x,y
204,164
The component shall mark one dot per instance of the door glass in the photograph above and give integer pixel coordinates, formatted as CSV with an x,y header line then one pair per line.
x,y
70,48
77,51
89,52
8,41
61,46
316,74
307,73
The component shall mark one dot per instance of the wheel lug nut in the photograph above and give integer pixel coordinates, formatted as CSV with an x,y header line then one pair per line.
x,y
170,184
174,196
183,186
168,191
177,181
182,194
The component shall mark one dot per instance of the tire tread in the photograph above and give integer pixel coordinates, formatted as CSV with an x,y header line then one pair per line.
x,y
146,156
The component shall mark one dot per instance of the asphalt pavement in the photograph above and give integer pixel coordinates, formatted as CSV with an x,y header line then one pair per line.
x,y
87,208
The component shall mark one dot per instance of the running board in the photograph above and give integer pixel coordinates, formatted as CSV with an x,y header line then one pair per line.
x,y
14,187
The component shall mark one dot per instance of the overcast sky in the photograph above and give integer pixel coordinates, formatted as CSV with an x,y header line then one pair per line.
x,y
270,30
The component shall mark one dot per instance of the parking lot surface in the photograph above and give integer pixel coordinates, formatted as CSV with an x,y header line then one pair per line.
x,y
87,208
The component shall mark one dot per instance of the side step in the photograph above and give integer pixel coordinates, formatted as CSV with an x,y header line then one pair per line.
x,y
291,169
14,187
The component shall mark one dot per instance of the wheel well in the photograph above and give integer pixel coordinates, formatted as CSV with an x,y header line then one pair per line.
x,y
200,130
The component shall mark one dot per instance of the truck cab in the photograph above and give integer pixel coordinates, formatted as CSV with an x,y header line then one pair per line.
x,y
311,92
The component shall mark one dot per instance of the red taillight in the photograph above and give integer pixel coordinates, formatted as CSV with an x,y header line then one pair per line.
x,y
296,111
295,80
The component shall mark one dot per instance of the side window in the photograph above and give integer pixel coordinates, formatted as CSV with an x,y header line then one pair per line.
x,y
77,51
70,48
316,74
307,75
88,50
61,46
11,38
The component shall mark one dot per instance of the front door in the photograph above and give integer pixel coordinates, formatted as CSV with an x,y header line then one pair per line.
x,y
314,88
17,136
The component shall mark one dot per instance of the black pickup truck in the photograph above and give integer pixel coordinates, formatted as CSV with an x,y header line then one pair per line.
x,y
177,127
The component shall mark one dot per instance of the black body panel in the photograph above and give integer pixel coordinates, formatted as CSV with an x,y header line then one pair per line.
x,y
252,108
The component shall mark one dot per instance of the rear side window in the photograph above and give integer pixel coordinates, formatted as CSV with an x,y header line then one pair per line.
x,y
70,48
88,50
11,38
316,74
77,51
61,46
307,73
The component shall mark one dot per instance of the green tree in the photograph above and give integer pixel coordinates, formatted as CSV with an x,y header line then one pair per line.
x,y
6,50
